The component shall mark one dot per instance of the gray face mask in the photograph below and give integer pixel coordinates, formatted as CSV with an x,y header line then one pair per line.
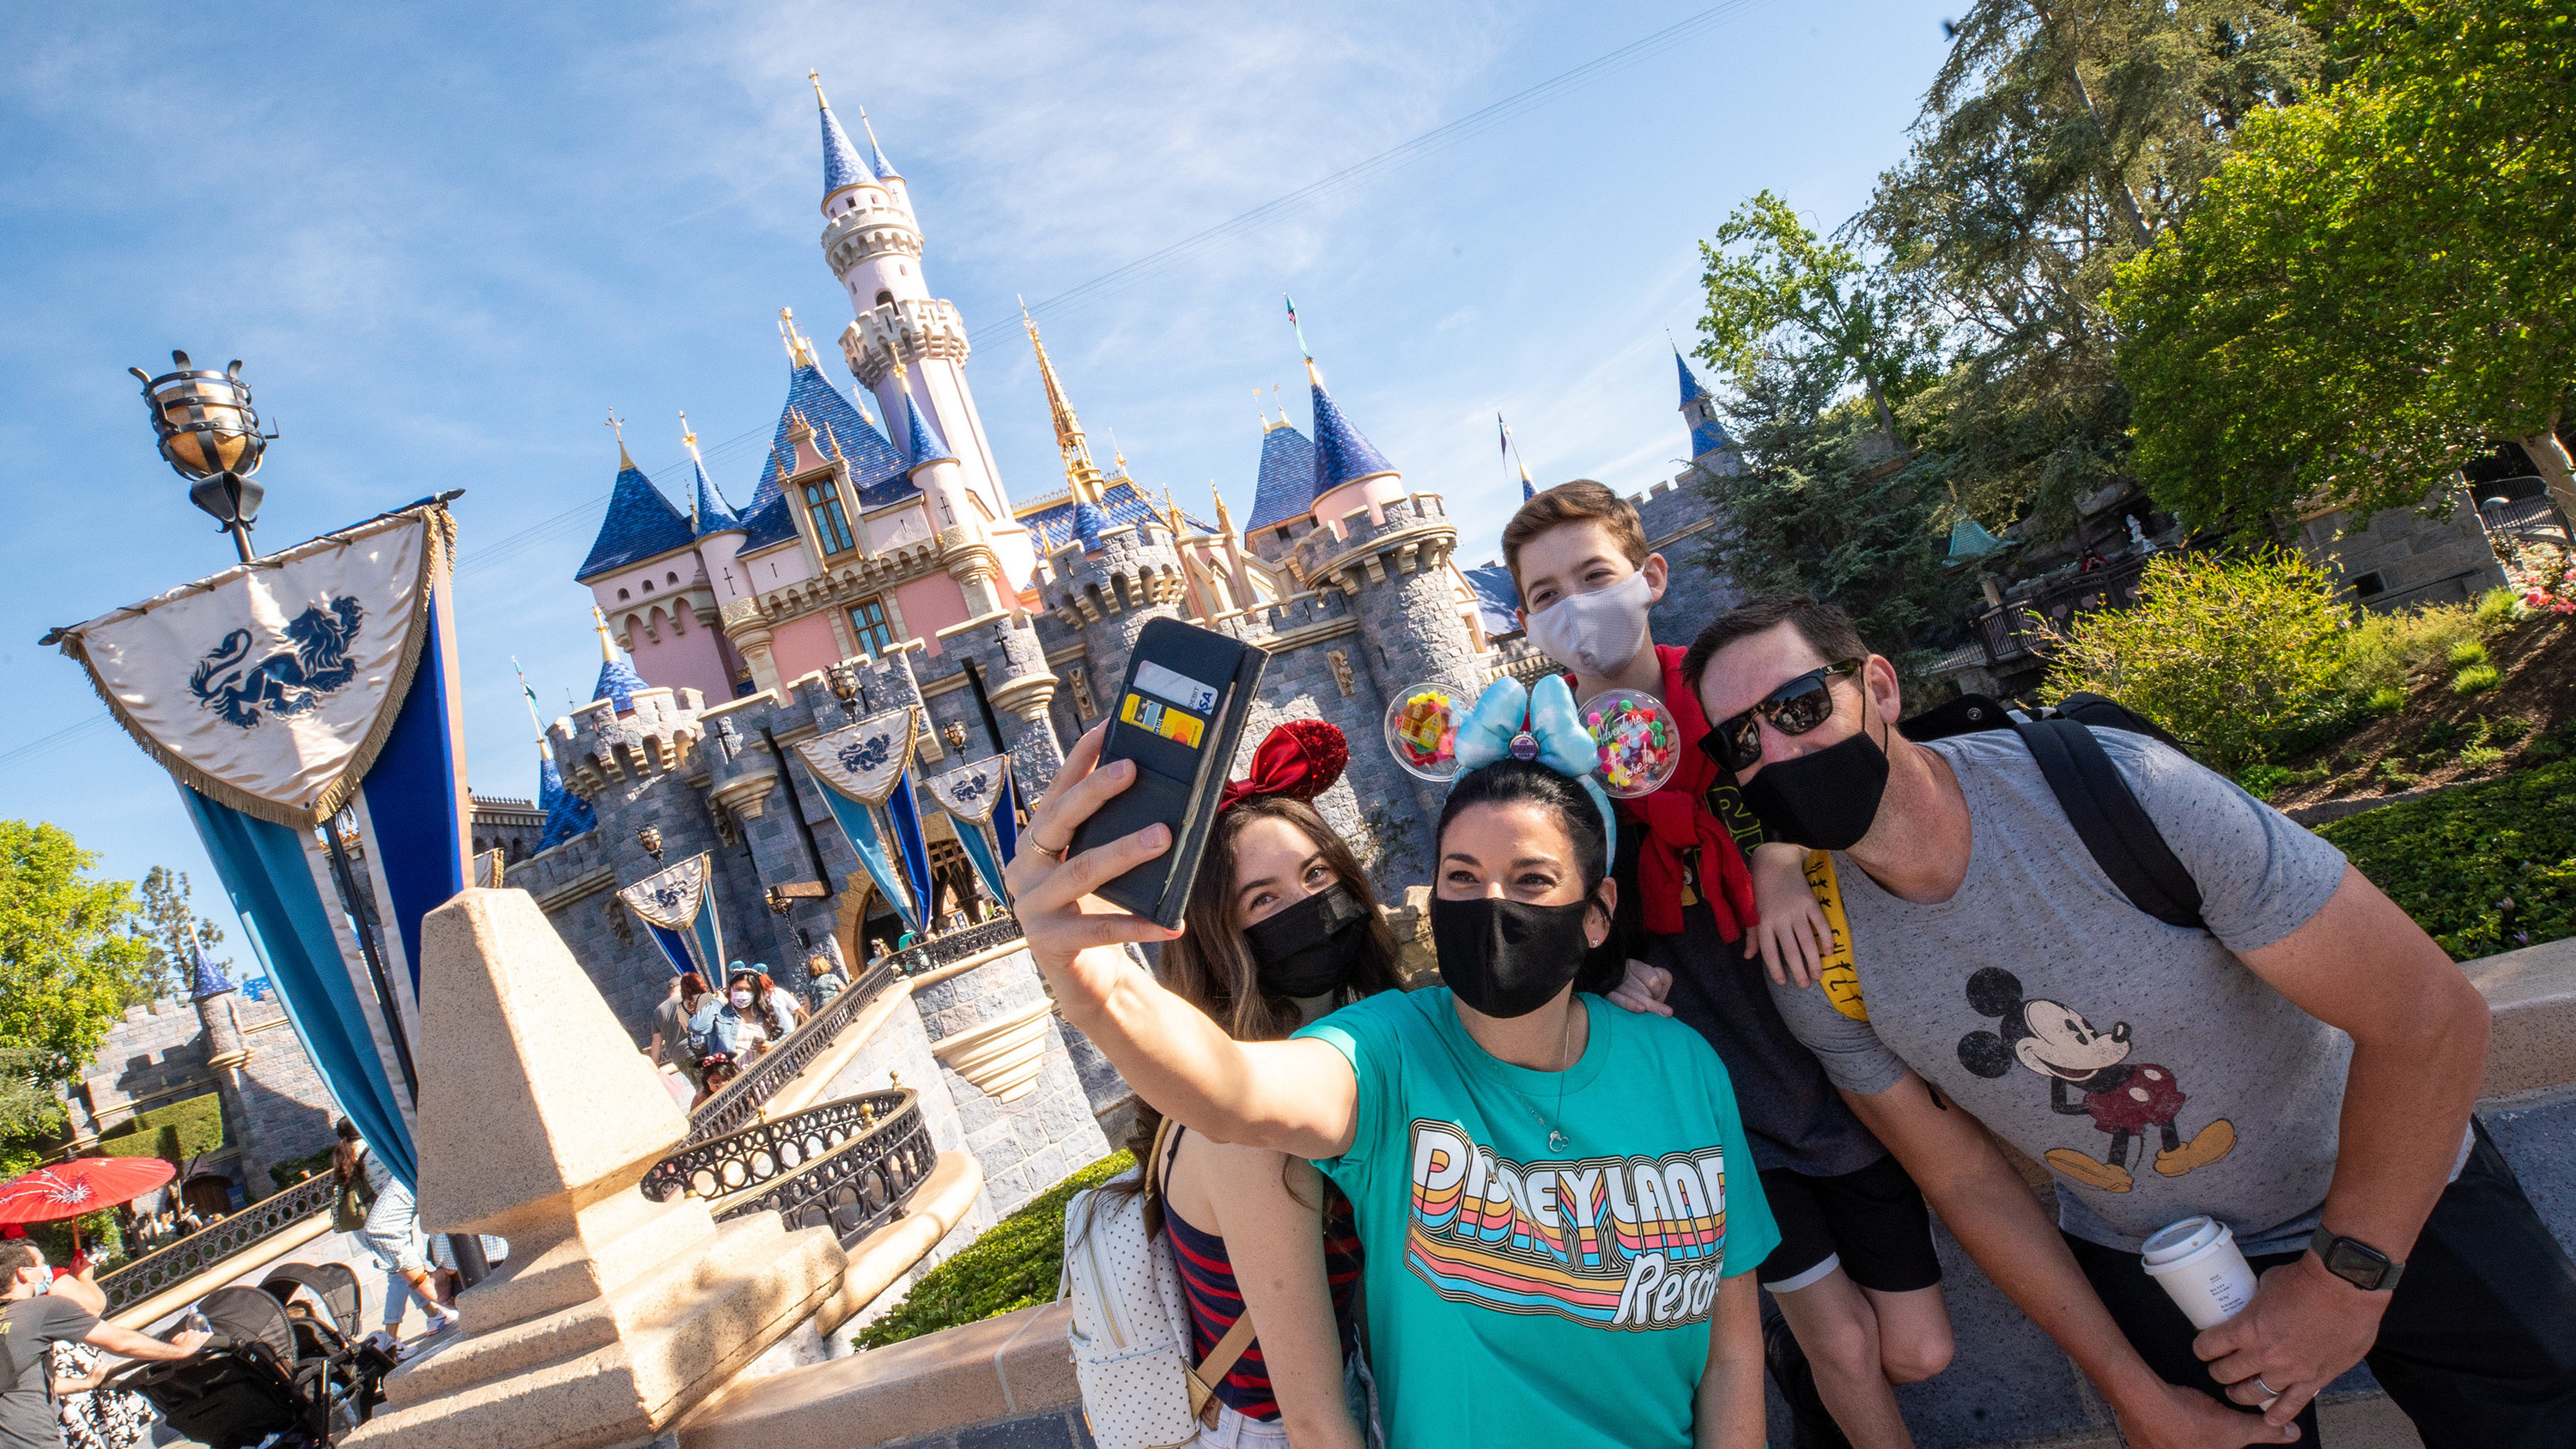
x,y
1595,634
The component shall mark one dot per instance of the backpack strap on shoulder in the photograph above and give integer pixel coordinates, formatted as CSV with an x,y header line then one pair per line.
x,y
2115,829
1212,1370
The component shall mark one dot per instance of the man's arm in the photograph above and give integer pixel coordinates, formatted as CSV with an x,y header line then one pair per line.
x,y
2419,1047
130,1344
1993,1214
81,1288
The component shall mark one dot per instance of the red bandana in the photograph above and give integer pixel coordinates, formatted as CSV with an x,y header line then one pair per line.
x,y
1301,759
1676,818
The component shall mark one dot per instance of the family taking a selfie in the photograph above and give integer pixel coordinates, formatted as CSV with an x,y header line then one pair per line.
x,y
1713,1042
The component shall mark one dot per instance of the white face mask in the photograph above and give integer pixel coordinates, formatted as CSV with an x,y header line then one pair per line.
x,y
742,998
1596,634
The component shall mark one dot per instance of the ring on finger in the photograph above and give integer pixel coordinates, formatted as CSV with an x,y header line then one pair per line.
x,y
1050,853
2269,1393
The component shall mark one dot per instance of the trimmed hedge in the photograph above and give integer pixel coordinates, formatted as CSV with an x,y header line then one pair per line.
x,y
1015,1263
2486,868
174,1133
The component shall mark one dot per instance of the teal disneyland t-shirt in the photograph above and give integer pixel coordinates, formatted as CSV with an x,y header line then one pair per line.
x,y
1519,1294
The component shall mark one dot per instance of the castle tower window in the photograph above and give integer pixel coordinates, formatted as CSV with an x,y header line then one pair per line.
x,y
622,596
673,580
885,299
868,622
648,586
831,529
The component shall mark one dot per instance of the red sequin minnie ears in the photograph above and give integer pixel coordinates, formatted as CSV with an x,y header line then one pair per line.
x,y
1301,759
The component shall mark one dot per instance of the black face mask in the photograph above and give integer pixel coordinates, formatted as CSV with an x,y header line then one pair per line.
x,y
1823,801
1507,958
1307,949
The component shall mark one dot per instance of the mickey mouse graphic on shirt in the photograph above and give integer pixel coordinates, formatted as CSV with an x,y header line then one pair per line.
x,y
2123,1098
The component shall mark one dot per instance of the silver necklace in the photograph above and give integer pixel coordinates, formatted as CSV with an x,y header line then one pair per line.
x,y
1557,1141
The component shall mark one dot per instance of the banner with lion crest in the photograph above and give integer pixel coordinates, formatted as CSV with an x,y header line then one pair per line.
x,y
307,704
865,773
977,796
676,906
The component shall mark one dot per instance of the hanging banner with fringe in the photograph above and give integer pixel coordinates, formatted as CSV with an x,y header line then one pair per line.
x,y
862,772
308,706
677,907
976,795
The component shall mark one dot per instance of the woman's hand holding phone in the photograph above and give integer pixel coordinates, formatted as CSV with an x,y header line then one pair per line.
x,y
1073,934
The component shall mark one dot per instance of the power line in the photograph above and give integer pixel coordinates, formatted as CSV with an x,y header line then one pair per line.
x,y
47,744
1124,278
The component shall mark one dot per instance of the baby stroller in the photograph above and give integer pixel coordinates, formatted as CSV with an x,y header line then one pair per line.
x,y
282,1369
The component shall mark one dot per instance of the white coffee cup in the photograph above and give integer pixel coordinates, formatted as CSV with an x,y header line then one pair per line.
x,y
2201,1267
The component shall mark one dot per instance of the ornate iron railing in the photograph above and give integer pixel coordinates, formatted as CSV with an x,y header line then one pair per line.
x,y
854,1188
2019,631
741,1098
200,1251
956,946
764,1150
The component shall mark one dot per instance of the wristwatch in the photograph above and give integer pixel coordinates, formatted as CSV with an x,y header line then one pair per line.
x,y
2356,1263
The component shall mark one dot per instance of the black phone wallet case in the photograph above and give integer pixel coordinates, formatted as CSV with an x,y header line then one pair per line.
x,y
1179,716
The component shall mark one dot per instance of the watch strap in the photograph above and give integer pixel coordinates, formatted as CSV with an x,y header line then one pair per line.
x,y
2325,1240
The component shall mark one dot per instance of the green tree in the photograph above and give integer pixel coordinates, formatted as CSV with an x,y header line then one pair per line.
x,y
68,955
169,918
2376,283
2059,137
28,1107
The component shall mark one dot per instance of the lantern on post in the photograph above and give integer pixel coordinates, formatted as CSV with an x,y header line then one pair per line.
x,y
210,436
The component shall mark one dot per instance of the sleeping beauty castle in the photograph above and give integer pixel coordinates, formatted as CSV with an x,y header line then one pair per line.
x,y
878,562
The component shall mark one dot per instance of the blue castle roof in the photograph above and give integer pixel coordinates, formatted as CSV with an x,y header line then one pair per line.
x,y
618,681
205,978
567,814
1341,454
1707,433
640,524
1497,598
714,514
882,473
927,445
1285,486
842,168
1121,502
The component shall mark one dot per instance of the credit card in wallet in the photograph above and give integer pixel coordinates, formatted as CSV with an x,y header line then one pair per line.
x,y
1180,715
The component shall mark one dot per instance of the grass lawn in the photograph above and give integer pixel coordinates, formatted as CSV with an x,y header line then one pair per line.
x,y
2486,868
1014,1264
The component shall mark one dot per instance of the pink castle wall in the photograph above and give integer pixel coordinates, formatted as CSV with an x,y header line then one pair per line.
x,y
801,646
930,605
673,650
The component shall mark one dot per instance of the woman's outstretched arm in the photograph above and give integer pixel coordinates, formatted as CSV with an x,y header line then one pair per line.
x,y
1297,1097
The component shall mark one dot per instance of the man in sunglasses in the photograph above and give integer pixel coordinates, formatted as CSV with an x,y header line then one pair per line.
x,y
2302,1069
1855,1275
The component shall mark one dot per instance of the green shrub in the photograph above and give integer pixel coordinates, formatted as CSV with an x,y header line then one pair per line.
x,y
2265,781
2476,679
2381,650
174,1133
2466,653
2387,699
2478,759
2507,730
2485,868
2229,654
2497,608
1015,1263
2442,734
287,1174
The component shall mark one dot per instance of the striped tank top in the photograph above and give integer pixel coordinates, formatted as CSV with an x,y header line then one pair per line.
x,y
1207,1275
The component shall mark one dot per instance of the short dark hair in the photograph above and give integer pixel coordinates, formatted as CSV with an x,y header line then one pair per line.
x,y
1527,782
1580,501
17,1255
1828,630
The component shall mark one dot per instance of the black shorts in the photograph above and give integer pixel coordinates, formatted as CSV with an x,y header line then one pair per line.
x,y
1872,1224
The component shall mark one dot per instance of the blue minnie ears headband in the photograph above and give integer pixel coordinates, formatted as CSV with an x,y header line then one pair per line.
x,y
1512,721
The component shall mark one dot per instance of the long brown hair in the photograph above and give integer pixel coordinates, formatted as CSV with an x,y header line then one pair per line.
x,y
344,1153
1212,969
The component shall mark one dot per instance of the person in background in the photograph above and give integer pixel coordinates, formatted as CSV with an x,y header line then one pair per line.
x,y
670,1044
731,1023
824,980
1855,1277
39,1310
392,1233
1280,930
780,1011
717,1069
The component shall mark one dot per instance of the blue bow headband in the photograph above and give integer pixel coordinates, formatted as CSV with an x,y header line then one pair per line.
x,y
1545,727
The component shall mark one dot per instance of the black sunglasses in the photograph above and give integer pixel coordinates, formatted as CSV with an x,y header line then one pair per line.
x,y
1796,707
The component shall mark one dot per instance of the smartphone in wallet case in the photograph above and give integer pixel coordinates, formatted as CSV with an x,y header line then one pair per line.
x,y
1179,716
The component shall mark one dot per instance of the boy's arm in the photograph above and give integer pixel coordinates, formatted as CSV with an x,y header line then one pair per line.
x,y
1791,936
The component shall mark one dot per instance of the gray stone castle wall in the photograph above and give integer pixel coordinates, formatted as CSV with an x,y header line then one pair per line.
x,y
156,1057
1676,520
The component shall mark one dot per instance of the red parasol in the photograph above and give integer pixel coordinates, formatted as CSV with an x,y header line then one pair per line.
x,y
82,1185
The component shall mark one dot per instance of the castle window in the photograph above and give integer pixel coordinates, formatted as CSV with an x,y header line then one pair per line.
x,y
648,586
621,596
885,299
673,580
831,529
868,622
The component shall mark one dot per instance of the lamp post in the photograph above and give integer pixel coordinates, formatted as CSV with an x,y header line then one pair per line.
x,y
210,436
846,687
650,837
955,735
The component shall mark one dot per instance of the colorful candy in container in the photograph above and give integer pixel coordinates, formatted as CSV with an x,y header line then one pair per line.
x,y
1639,739
1422,730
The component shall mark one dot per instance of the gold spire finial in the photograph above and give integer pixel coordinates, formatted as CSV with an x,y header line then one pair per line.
x,y
617,425
866,125
800,351
817,79
689,439
1118,456
1081,475
607,641
1224,520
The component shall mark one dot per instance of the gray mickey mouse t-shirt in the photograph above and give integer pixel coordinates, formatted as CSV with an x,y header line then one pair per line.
x,y
2154,1073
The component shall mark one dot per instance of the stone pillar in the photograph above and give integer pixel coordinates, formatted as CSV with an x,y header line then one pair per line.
x,y
1027,1115
615,1314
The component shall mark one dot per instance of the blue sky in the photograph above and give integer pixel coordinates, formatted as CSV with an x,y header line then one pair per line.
x,y
446,240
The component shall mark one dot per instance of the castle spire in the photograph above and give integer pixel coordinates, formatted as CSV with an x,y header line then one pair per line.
x,y
618,680
617,425
708,510
800,351
1081,475
607,641
885,168
1341,454
921,438
842,167
1699,410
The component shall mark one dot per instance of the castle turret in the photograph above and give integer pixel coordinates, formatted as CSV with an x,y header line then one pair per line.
x,y
227,1053
1713,452
1112,576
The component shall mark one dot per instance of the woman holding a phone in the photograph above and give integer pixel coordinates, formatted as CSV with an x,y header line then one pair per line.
x,y
1560,1214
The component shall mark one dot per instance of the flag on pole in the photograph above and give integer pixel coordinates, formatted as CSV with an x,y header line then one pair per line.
x,y
307,705
675,904
1512,450
862,771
